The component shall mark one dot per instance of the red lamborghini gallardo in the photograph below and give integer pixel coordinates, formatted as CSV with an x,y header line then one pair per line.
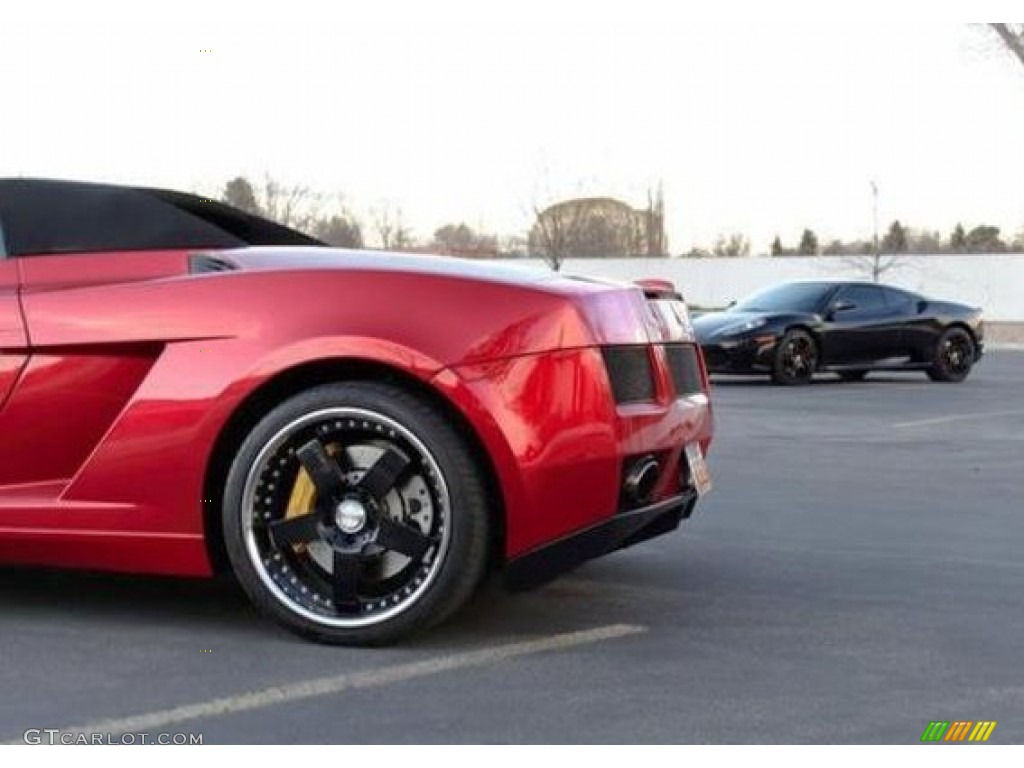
x,y
359,437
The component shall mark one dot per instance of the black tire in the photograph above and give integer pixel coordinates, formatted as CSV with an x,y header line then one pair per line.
x,y
360,563
955,352
858,375
796,358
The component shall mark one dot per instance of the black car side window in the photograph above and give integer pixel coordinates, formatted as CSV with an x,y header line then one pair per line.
x,y
901,301
861,299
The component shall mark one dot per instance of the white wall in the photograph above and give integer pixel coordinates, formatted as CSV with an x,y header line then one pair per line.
x,y
994,282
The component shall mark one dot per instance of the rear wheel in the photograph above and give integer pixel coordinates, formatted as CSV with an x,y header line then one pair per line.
x,y
954,356
354,514
858,375
796,358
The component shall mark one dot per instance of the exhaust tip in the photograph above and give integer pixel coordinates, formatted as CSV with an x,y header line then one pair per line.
x,y
641,479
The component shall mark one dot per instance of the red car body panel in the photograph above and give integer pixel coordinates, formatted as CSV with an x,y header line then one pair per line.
x,y
120,371
12,330
563,438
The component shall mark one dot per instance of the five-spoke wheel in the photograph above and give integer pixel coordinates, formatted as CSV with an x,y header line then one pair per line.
x,y
955,355
796,358
355,513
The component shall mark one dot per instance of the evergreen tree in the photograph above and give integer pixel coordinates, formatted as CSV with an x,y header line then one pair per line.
x,y
239,193
895,240
958,240
808,243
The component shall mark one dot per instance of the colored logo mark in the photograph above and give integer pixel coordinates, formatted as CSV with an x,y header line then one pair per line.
x,y
959,730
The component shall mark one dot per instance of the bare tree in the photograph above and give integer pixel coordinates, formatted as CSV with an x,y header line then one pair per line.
x,y
734,245
462,240
342,230
870,260
553,235
1012,36
518,247
324,216
885,256
392,234
873,264
294,206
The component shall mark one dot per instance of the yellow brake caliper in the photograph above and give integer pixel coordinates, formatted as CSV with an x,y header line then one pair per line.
x,y
303,497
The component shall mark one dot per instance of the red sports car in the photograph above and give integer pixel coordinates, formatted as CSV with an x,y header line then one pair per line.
x,y
359,437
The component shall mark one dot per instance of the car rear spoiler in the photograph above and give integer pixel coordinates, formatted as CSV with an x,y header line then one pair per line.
x,y
655,288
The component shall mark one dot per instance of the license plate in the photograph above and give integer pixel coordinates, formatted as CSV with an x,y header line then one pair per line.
x,y
699,473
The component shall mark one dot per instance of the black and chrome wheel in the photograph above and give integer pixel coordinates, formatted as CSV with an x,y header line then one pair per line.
x,y
954,356
354,513
796,358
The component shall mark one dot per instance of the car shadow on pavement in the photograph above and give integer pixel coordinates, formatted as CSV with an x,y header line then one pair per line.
x,y
38,592
101,603
824,380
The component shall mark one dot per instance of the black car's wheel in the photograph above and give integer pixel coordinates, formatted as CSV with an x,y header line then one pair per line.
x,y
796,358
954,356
855,375
354,514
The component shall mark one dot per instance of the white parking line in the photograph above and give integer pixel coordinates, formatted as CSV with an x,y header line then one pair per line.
x,y
374,678
957,417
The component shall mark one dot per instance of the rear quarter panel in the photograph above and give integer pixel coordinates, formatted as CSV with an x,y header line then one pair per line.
x,y
128,494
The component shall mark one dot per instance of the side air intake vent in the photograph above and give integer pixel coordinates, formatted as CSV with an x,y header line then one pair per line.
x,y
201,263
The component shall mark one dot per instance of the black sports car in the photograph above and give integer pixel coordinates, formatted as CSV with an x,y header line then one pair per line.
x,y
792,330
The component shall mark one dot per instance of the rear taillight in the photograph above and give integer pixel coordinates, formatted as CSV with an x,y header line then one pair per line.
x,y
631,374
634,379
647,341
685,368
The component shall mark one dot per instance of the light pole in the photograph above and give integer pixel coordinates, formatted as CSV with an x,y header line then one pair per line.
x,y
874,208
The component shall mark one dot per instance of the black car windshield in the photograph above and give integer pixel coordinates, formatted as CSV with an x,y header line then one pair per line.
x,y
788,297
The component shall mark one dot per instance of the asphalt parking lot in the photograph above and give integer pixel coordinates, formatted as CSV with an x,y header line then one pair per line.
x,y
856,573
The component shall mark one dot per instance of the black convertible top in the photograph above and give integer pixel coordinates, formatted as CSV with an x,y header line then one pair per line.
x,y
42,216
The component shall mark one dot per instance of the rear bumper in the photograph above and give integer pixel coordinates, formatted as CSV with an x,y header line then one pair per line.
x,y
623,530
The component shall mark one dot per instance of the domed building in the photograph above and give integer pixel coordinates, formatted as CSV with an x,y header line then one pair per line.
x,y
598,227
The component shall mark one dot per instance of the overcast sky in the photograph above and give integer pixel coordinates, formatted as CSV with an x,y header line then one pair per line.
x,y
758,129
